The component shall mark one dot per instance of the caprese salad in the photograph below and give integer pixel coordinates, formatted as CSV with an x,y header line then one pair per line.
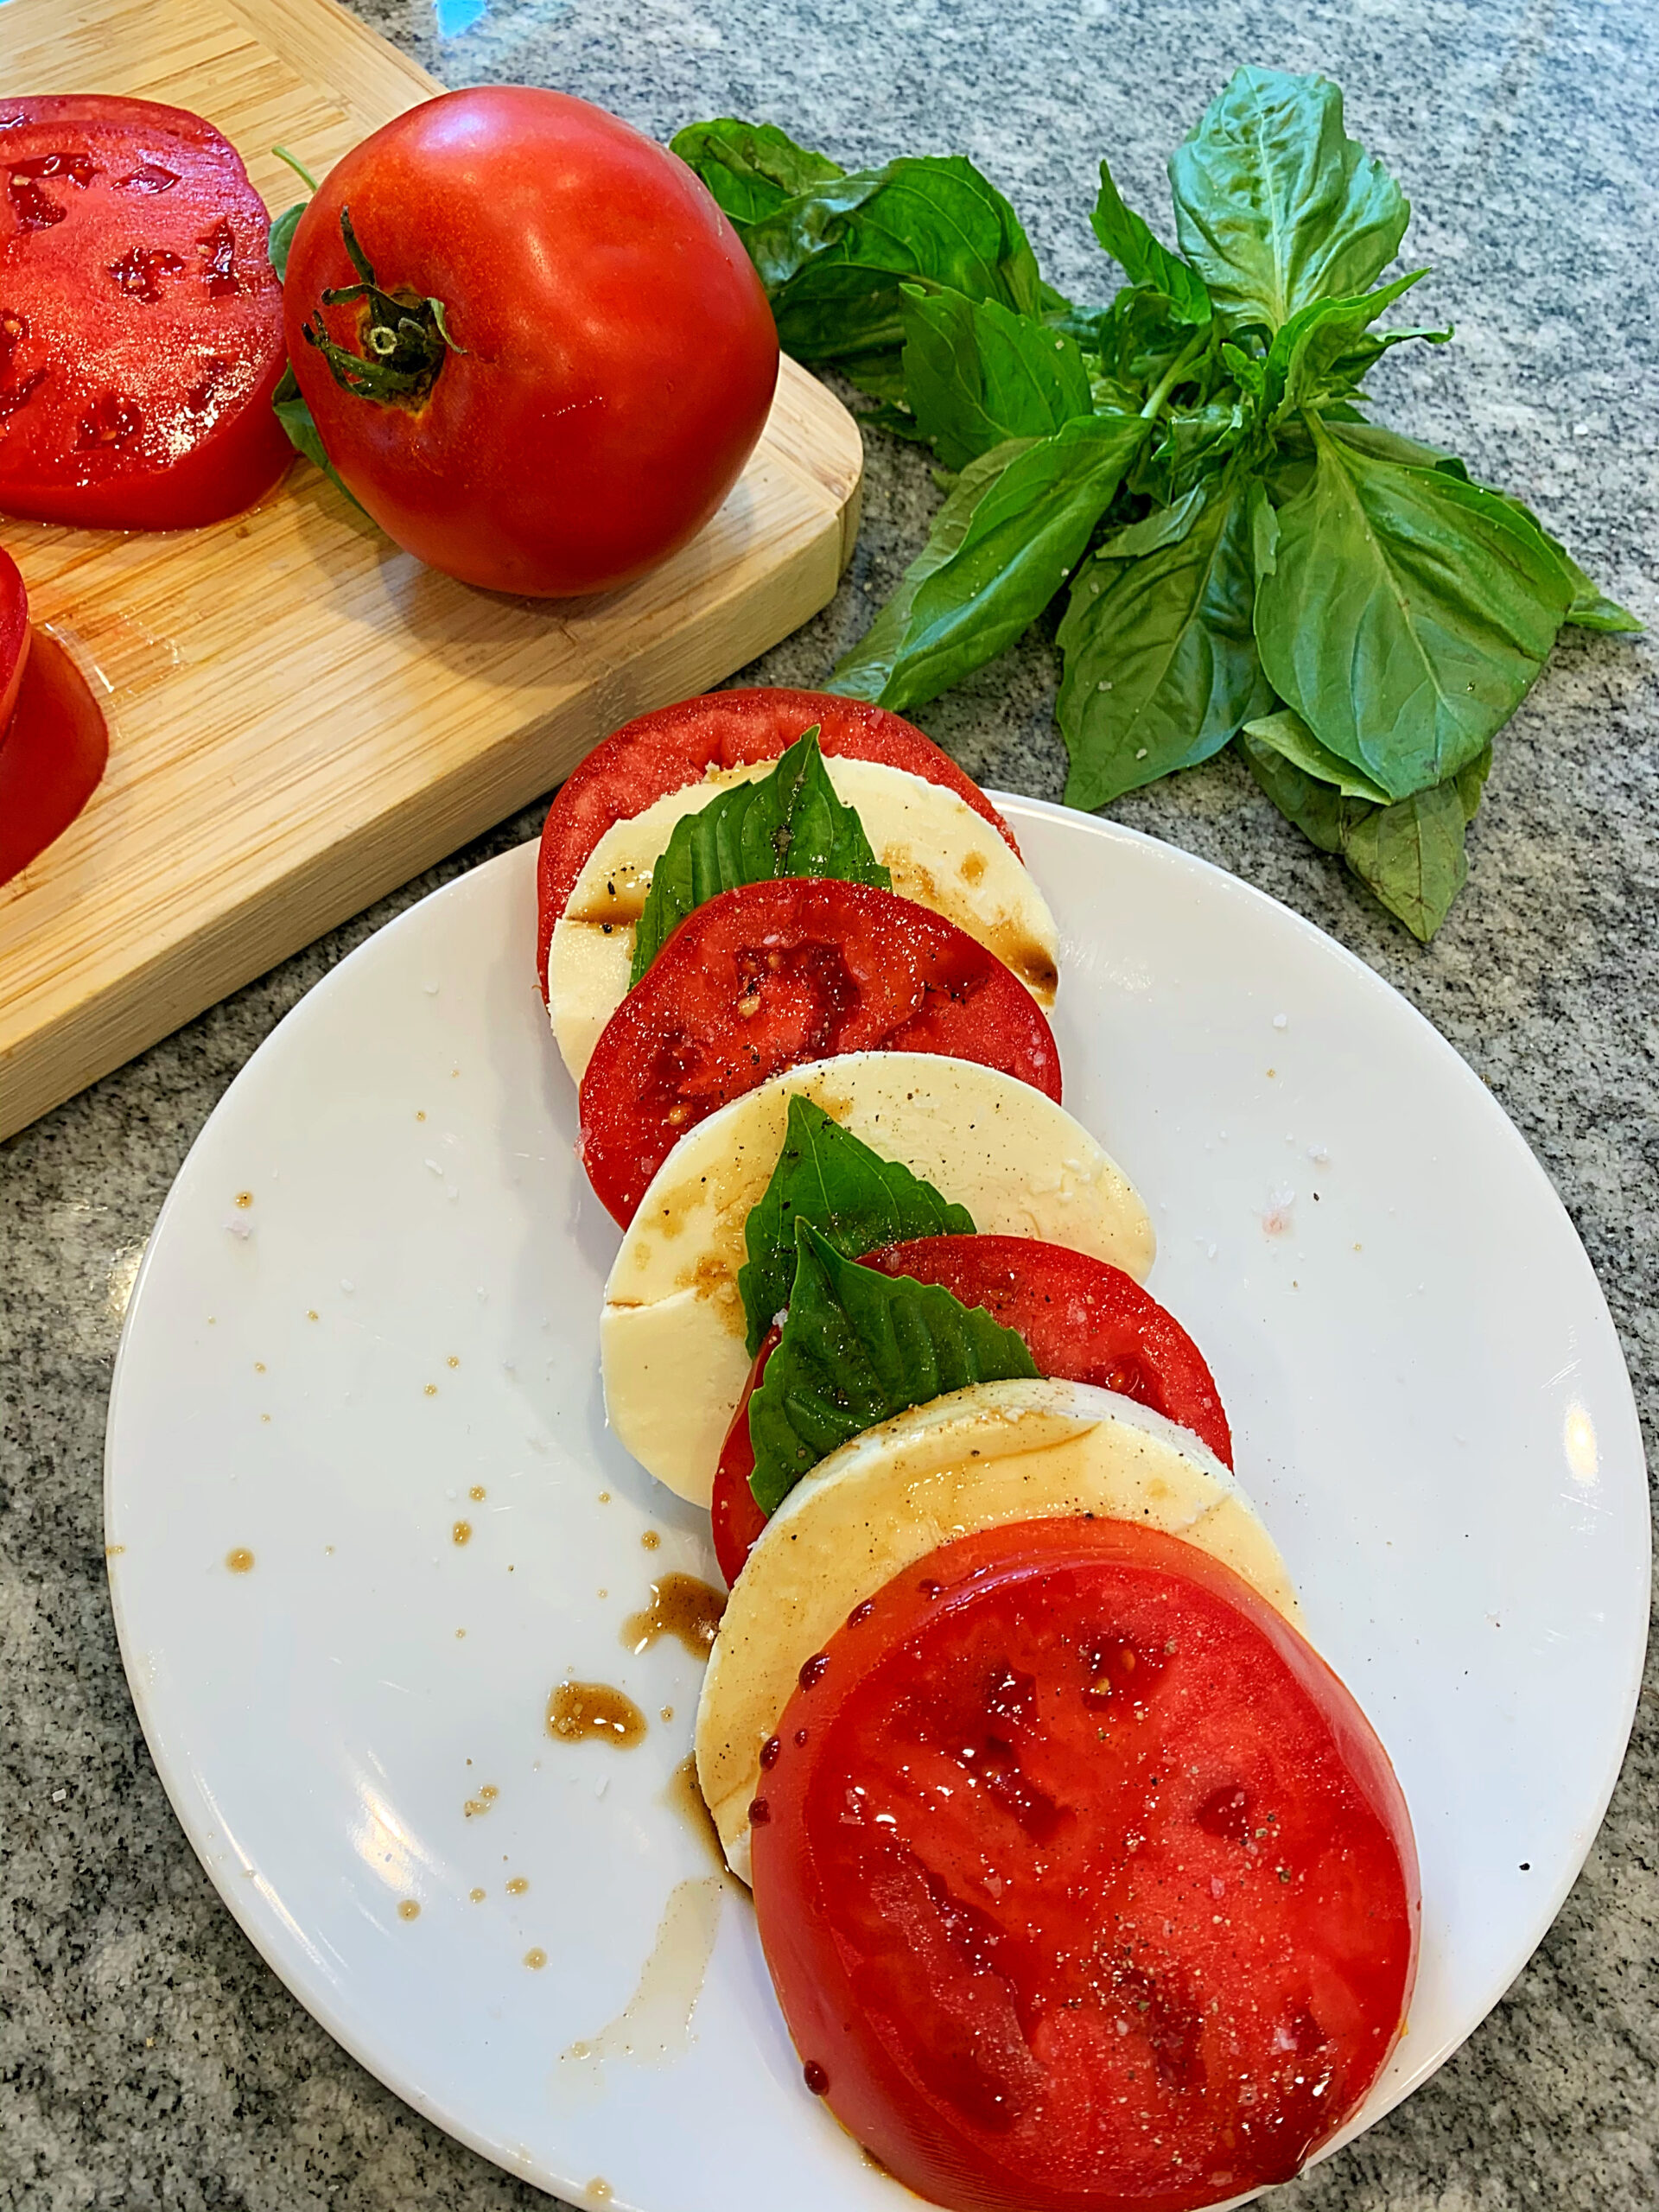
x,y
1082,1882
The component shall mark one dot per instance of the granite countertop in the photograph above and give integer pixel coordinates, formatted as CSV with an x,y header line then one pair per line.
x,y
147,2056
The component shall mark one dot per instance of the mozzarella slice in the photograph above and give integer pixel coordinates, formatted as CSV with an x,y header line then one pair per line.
x,y
938,850
671,1335
982,1458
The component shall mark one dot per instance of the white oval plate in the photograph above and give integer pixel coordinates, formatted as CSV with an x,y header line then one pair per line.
x,y
375,1288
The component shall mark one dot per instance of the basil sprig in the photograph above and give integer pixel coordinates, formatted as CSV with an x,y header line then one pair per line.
x,y
788,823
1241,548
858,1347
849,1194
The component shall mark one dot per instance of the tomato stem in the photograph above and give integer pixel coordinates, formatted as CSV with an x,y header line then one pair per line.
x,y
406,339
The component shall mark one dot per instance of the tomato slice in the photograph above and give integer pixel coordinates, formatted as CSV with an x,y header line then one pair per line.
x,y
1084,1882
1083,1320
771,974
141,322
14,635
660,752
53,753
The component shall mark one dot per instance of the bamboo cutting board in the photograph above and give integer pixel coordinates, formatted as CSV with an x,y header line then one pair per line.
x,y
301,716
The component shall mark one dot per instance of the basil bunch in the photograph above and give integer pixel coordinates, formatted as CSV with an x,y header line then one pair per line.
x,y
1246,558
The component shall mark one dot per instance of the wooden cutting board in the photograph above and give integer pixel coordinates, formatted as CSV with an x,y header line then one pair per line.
x,y
302,717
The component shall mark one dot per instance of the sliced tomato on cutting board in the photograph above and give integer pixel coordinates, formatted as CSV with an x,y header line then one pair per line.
x,y
663,752
141,322
1083,1321
1083,1881
53,740
772,975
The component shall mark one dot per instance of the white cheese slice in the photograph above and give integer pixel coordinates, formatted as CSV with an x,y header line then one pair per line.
x,y
938,850
671,1335
982,1458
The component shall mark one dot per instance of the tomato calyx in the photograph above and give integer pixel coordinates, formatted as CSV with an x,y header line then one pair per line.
x,y
406,339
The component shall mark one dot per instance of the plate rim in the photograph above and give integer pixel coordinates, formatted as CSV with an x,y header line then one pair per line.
x,y
183,1788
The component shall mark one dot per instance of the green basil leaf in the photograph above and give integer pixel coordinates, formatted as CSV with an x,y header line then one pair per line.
x,y
1160,661
1302,358
865,672
302,433
788,823
1383,444
281,241
751,167
858,1347
851,1196
1026,529
977,375
1407,613
1588,608
832,257
1410,853
1289,735
1135,341
1143,258
1163,527
1275,205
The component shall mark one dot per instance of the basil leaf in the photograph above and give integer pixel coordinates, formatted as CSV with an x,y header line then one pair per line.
x,y
1410,853
302,433
1160,661
1143,258
751,167
1275,205
1289,735
788,823
860,1346
1383,444
1302,359
977,375
1589,607
281,242
851,1196
1407,613
864,672
832,257
1028,530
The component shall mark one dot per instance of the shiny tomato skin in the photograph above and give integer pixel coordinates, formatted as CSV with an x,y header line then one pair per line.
x,y
1083,1321
53,755
663,752
141,322
615,356
14,634
770,975
734,1514
1084,1884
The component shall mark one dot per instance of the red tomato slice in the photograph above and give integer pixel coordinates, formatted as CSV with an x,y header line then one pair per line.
x,y
771,974
141,322
657,754
1084,1882
53,752
14,635
1083,1321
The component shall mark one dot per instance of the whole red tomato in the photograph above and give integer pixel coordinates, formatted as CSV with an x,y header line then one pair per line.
x,y
533,346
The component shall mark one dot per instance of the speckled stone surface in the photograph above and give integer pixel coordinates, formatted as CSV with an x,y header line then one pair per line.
x,y
147,2057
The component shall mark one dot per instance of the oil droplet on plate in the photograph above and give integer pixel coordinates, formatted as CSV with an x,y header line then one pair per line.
x,y
409,1910
651,1540
431,1390
684,1795
680,1606
244,1199
477,1896
461,1533
517,1886
600,2189
577,1710
240,1560
654,2027
536,1958
452,1360
477,1493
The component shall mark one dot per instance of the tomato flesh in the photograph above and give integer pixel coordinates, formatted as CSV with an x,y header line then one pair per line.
x,y
772,975
53,753
14,634
141,322
614,359
660,752
1083,1321
1083,1881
